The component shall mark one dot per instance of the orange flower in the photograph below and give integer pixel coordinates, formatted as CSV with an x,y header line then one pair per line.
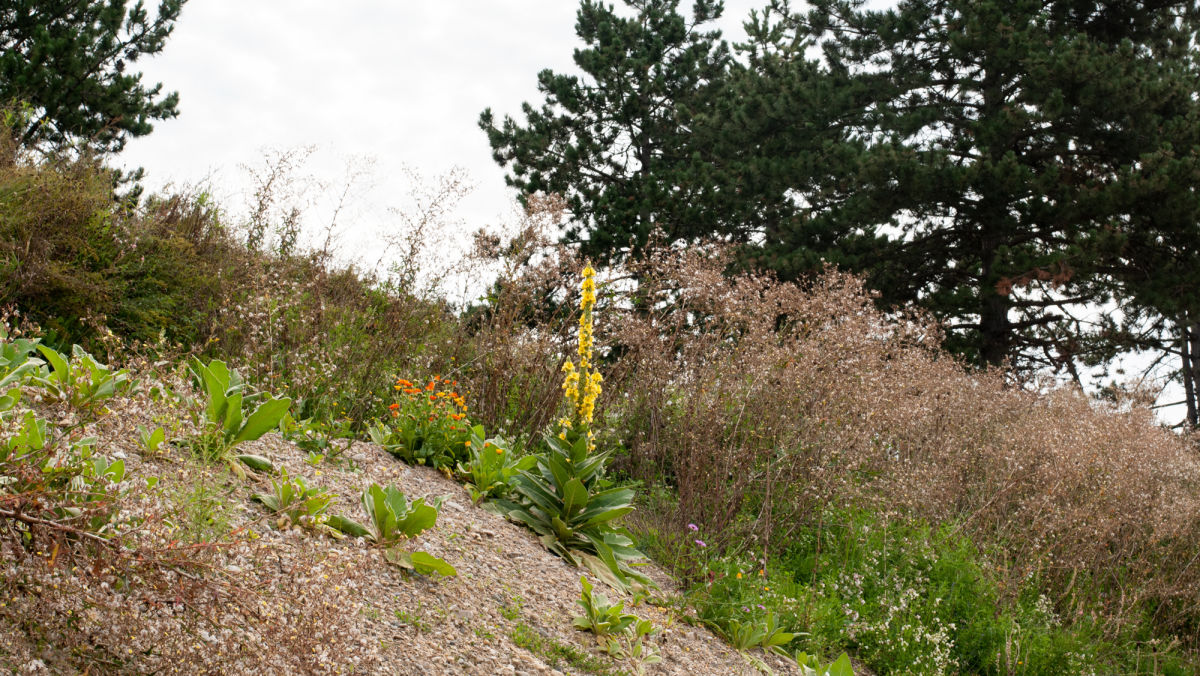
x,y
395,414
412,390
432,398
429,387
394,406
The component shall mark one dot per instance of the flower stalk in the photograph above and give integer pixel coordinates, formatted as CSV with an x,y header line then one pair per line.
x,y
581,385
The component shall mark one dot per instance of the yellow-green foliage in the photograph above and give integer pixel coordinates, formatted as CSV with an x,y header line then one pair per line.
x,y
55,242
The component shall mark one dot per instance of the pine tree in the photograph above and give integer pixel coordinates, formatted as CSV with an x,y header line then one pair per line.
x,y
1001,149
619,143
68,63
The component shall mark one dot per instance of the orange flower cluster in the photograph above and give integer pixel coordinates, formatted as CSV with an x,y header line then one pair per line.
x,y
439,391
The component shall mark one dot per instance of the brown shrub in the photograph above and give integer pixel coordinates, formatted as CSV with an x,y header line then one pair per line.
x,y
519,338
762,403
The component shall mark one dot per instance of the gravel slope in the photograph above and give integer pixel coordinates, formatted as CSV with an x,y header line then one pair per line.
x,y
271,600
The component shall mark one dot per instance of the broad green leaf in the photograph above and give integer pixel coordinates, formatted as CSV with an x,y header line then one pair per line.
x,y
539,525
57,361
348,526
421,517
268,500
215,387
841,667
530,487
233,415
560,471
19,374
264,419
34,432
255,462
561,529
220,374
116,471
575,497
426,563
777,639
9,399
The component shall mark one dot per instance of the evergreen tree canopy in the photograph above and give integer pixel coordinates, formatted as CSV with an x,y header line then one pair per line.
x,y
1003,146
70,62
620,144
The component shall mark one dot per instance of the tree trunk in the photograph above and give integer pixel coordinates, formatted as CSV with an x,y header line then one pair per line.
x,y
995,330
1191,374
1189,389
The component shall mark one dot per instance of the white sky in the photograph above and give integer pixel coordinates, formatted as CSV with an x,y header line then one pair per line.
x,y
402,82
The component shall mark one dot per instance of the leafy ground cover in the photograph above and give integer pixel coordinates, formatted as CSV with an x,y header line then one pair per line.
x,y
167,564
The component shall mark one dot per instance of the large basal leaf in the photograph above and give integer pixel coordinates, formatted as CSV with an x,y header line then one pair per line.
x,y
348,526
421,517
575,497
841,667
531,487
606,506
233,415
264,419
426,563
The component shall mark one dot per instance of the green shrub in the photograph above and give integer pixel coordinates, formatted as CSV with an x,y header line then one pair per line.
x,y
57,245
907,598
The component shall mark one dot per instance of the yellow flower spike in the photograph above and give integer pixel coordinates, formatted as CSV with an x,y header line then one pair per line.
x,y
581,384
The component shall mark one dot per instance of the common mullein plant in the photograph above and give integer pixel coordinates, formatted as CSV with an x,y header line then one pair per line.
x,y
565,498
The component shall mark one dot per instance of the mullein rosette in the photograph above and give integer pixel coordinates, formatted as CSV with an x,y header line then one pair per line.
x,y
565,498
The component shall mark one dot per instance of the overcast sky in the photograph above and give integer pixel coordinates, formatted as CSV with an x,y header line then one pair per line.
x,y
401,82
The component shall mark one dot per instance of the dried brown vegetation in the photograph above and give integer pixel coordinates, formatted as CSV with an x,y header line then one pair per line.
x,y
762,403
